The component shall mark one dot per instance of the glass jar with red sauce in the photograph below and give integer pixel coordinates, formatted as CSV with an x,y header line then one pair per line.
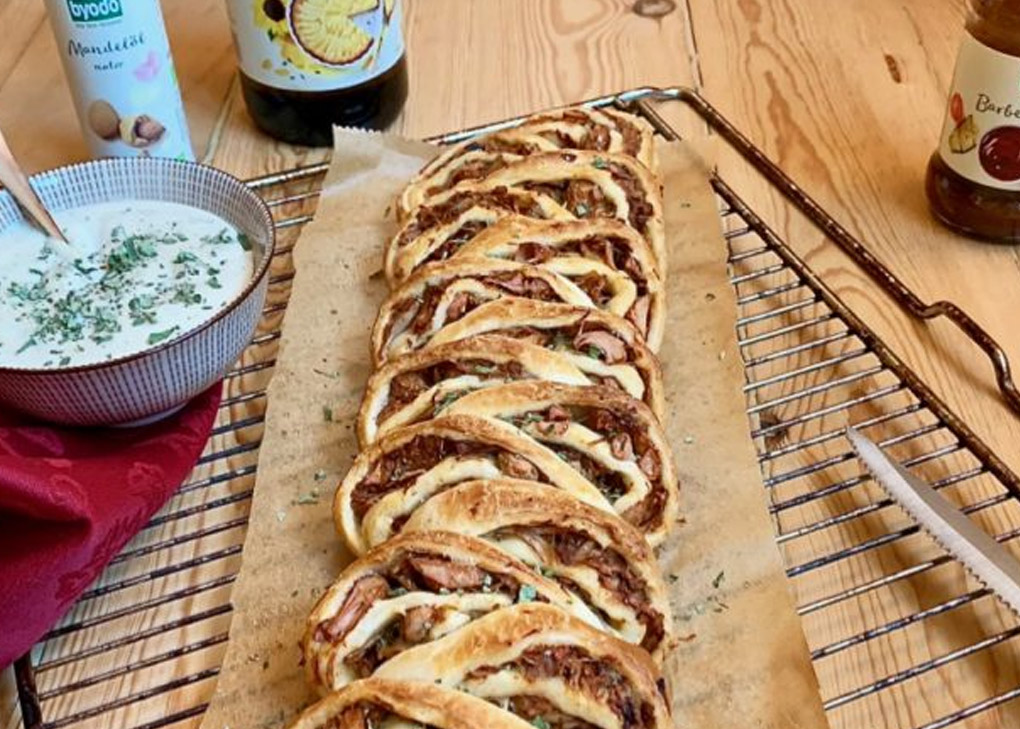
x,y
973,182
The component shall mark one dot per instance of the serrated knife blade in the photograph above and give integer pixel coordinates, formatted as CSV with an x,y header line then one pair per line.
x,y
986,559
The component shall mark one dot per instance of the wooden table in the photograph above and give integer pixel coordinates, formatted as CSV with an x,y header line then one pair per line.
x,y
847,97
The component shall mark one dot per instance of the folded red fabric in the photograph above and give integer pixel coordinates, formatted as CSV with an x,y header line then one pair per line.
x,y
70,498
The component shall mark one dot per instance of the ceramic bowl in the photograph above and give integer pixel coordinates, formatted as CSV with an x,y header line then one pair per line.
x,y
156,381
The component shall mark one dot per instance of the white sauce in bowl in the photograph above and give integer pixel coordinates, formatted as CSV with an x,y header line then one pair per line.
x,y
137,273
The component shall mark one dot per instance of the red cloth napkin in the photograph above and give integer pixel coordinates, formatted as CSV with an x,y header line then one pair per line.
x,y
70,498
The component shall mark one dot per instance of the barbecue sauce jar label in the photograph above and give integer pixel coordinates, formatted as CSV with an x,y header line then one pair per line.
x,y
316,45
981,134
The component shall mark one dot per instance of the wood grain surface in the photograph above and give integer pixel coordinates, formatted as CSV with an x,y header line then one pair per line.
x,y
847,97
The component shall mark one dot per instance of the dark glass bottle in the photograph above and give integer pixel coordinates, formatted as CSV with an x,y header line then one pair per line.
x,y
973,181
309,64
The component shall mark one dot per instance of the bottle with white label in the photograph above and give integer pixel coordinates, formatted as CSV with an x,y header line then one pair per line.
x,y
309,64
117,59
973,181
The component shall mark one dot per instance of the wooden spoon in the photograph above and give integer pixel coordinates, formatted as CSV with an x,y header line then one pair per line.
x,y
13,178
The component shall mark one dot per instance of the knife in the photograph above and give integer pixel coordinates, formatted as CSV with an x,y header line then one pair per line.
x,y
986,559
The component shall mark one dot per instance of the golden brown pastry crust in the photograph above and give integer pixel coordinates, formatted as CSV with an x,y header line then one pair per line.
x,y
562,328
354,612
440,292
614,431
561,245
463,659
427,377
400,470
435,229
603,558
578,127
424,704
594,185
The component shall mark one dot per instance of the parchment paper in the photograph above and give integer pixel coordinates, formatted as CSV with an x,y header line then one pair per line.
x,y
741,659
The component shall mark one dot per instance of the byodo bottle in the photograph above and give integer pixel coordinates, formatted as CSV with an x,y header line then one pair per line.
x,y
117,59
973,182
309,64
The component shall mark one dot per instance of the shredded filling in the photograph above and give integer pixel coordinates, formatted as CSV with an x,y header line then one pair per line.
x,y
516,283
398,469
366,715
476,169
405,387
607,250
610,483
583,337
541,713
573,548
500,198
628,441
585,199
597,677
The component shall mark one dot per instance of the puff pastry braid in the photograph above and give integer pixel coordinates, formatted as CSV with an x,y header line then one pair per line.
x,y
595,555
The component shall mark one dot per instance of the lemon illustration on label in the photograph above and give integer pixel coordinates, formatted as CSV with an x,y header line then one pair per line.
x,y
388,6
326,31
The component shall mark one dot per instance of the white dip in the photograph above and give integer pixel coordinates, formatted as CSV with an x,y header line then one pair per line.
x,y
137,273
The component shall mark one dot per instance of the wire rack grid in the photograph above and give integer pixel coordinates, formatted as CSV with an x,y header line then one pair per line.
x,y
900,637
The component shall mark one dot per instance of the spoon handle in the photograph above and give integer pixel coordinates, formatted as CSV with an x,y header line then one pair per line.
x,y
13,178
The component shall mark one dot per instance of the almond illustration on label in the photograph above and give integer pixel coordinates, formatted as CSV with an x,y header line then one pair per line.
x,y
326,31
104,120
141,130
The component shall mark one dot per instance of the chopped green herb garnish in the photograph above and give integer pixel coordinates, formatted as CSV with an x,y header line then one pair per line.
x,y
718,580
581,210
600,163
327,413
82,268
539,723
244,240
312,497
157,337
527,593
30,343
448,400
185,293
223,236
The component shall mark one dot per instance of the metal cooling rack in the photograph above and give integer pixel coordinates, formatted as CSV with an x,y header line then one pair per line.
x,y
899,636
